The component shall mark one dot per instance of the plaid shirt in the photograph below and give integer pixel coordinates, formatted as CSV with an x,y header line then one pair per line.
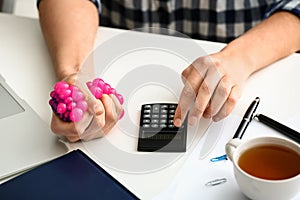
x,y
215,20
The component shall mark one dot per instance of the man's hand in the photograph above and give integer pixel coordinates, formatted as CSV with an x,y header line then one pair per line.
x,y
212,87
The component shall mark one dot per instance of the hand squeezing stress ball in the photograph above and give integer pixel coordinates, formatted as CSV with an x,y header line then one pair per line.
x,y
70,104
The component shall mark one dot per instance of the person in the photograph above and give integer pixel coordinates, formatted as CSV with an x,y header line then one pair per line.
x,y
257,34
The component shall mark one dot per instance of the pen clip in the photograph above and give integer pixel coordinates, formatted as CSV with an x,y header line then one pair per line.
x,y
248,116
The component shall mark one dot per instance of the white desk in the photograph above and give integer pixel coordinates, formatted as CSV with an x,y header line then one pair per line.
x,y
26,66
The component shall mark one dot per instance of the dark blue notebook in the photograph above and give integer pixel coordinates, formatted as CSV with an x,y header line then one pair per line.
x,y
72,176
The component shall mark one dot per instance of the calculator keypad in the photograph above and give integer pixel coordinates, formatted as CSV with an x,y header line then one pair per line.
x,y
157,130
157,115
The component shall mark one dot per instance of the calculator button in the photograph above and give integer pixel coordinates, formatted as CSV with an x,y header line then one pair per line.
x,y
164,106
155,116
163,121
154,125
146,125
163,126
154,121
147,121
147,106
147,111
155,109
173,106
164,116
171,121
171,111
171,116
164,111
171,126
147,116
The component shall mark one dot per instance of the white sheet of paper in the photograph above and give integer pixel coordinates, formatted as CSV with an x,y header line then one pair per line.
x,y
195,173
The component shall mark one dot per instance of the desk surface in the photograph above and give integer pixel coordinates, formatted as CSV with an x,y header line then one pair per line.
x,y
27,67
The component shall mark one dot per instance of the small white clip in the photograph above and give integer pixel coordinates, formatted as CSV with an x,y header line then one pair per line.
x,y
216,182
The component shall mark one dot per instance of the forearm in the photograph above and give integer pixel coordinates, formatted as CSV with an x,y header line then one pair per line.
x,y
69,28
274,38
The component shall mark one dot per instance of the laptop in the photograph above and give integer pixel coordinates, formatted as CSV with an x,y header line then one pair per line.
x,y
25,139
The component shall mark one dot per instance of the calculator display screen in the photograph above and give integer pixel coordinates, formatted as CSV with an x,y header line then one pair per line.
x,y
154,135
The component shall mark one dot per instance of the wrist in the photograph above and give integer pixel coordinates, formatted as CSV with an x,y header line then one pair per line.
x,y
67,63
65,72
68,68
236,54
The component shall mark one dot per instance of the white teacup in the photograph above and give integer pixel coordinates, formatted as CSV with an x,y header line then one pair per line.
x,y
254,184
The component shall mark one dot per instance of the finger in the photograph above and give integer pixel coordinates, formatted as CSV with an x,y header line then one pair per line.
x,y
117,105
95,105
60,127
103,123
94,130
228,106
207,112
84,123
204,95
188,94
185,73
220,95
187,97
115,109
73,138
80,83
112,108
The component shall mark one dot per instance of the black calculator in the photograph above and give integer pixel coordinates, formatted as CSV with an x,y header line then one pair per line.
x,y
157,131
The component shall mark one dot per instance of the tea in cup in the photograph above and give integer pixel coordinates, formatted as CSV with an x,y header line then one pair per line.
x,y
266,167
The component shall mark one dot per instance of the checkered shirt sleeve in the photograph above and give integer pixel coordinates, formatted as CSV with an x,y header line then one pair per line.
x,y
96,2
219,21
292,6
